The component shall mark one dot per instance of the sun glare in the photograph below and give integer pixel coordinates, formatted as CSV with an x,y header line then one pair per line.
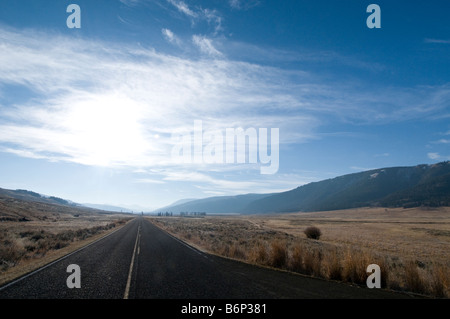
x,y
106,130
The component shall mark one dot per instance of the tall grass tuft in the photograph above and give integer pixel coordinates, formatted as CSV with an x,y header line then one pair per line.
x,y
355,266
332,265
278,254
413,280
296,259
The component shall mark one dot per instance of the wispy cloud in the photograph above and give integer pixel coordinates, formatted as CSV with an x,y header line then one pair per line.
x,y
243,4
382,155
148,181
210,16
206,46
433,156
438,157
130,3
221,185
437,41
171,37
442,141
183,8
213,18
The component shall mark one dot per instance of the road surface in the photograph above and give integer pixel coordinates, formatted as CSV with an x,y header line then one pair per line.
x,y
140,261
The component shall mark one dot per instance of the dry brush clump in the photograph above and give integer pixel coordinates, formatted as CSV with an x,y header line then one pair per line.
x,y
354,266
413,279
433,280
313,232
259,254
295,262
333,268
278,254
440,282
10,253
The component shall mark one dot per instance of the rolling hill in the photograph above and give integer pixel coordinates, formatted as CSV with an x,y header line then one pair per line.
x,y
23,205
26,195
421,185
108,208
217,205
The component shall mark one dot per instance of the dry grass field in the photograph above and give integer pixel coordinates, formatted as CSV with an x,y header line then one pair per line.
x,y
411,246
34,234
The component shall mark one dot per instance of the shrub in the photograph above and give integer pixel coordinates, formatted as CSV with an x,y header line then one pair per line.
x,y
278,254
414,281
313,232
355,266
236,252
10,255
259,254
333,266
312,262
296,260
438,282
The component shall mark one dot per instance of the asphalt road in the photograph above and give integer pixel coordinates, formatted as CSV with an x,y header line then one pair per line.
x,y
140,261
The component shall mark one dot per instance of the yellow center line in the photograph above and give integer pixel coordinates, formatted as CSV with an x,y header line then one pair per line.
x,y
127,288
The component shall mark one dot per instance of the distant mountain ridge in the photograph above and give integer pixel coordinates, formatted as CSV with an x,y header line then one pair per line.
x,y
217,205
421,185
27,195
25,206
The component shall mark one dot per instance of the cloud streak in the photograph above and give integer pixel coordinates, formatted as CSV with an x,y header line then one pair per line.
x,y
206,46
211,16
183,8
243,4
438,157
171,37
437,41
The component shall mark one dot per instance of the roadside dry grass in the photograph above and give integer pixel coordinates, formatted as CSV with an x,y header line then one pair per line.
x,y
411,246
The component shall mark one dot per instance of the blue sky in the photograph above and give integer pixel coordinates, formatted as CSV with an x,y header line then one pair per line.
x,y
93,114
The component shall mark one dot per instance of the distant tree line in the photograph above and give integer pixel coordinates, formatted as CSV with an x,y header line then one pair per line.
x,y
182,214
165,214
193,214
